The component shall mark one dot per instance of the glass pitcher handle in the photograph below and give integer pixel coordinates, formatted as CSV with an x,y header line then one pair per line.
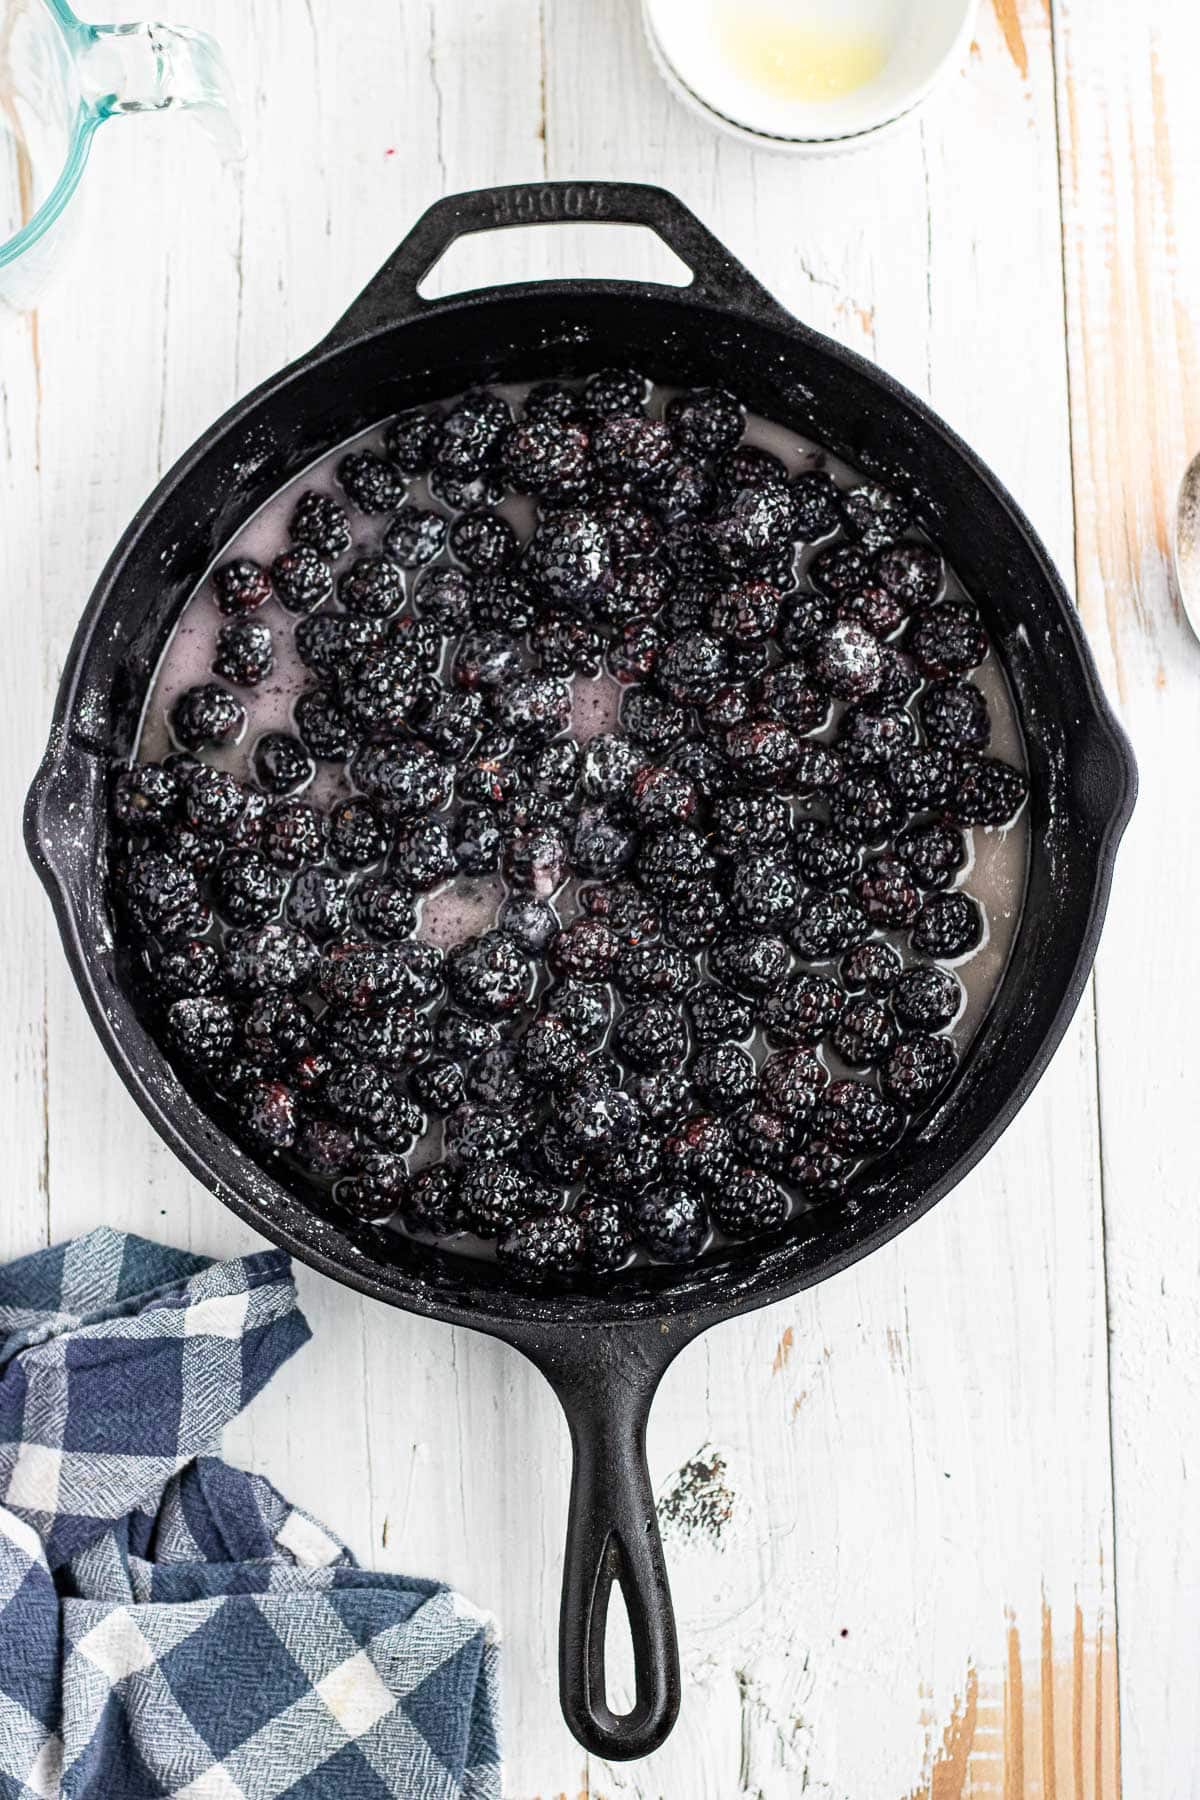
x,y
157,68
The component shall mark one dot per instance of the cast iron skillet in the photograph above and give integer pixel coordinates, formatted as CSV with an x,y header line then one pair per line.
x,y
604,1354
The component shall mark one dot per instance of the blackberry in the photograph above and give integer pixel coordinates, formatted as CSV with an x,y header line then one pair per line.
x,y
790,1083
924,779
747,466
378,1189
282,764
707,421
887,894
852,1117
613,393
872,515
638,588
628,449
691,668
490,975
320,523
949,925
723,1075
292,834
873,966
805,617
549,1054
318,903
160,891
379,689
503,601
201,1029
443,597
494,1079
422,856
801,1010
411,441
458,1034
875,609
328,732
554,768
414,972
755,533
749,1204
633,532
764,892
196,850
651,1036
364,1095
212,799
392,1038
815,510
653,722
477,839
869,736
787,693
846,659
372,484
438,1086
652,971
536,862
670,859
948,640
450,721
584,1007
597,1117
730,705
485,659
275,1031
840,571
927,999
301,578
245,652
416,535
208,714
704,764
701,1149
240,586
864,1034
328,1147
605,1240
817,770
534,707
531,922
718,1017
827,925
819,1171
477,1134
586,950
266,959
696,916
935,853
404,778
670,1222
917,1069
458,492
568,555
186,970
356,835
630,1166
912,572
866,806
664,1095
565,644
552,400
751,965
898,680
371,588
631,656
608,767
751,822
268,1115
491,776
955,715
545,455
247,890
762,1138
145,798
542,1250
662,796
482,540
431,1201
988,793
762,752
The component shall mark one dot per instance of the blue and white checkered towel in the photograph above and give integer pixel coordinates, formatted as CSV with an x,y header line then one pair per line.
x,y
170,1626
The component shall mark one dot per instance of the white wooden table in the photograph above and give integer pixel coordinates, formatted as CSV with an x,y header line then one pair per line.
x,y
892,1535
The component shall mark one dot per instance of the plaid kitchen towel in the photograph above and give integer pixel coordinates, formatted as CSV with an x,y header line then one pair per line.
x,y
170,1626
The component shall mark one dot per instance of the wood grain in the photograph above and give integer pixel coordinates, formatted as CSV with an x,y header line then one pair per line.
x,y
887,1505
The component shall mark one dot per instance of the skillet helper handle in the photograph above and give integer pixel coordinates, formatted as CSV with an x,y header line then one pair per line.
x,y
391,296
605,1378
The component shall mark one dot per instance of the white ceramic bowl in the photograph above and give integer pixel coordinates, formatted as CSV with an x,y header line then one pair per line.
x,y
817,76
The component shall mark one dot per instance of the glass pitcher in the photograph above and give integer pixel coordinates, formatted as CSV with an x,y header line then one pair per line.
x,y
59,80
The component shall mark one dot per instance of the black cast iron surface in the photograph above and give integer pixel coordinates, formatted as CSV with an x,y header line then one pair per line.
x,y
604,1354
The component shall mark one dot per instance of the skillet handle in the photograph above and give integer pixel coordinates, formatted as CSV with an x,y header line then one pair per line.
x,y
391,296
606,1378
